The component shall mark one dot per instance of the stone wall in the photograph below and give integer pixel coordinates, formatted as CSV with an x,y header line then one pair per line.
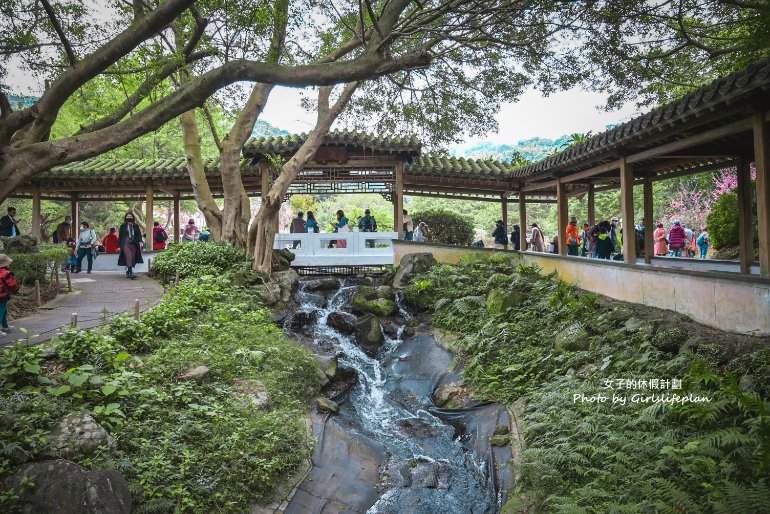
x,y
726,301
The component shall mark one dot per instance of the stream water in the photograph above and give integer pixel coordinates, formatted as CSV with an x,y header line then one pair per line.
x,y
434,460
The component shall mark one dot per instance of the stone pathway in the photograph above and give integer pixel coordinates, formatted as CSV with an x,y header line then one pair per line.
x,y
95,298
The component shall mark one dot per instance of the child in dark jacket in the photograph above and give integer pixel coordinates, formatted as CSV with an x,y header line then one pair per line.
x,y
604,246
8,286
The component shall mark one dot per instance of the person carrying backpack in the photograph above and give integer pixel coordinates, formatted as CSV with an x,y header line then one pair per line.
x,y
63,231
501,238
159,237
8,287
703,242
368,223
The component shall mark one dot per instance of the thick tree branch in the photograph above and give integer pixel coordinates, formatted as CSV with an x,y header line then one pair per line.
x,y
212,126
59,32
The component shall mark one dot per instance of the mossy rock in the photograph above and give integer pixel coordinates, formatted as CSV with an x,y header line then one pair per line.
x,y
620,314
500,300
381,307
670,339
573,338
500,440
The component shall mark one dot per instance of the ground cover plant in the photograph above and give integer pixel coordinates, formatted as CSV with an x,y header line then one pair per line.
x,y
183,445
537,341
196,260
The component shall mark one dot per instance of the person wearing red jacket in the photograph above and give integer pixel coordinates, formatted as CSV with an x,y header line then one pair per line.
x,y
676,238
8,286
110,241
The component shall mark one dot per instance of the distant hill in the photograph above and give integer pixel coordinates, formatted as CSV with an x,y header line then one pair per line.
x,y
263,128
532,149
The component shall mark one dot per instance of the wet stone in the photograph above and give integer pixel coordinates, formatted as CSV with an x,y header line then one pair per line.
x,y
325,405
342,322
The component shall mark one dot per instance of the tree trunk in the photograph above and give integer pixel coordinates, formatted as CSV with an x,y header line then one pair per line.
x,y
267,216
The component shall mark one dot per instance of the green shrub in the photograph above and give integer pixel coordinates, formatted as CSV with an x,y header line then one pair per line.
x,y
446,226
28,267
198,259
81,347
135,336
722,222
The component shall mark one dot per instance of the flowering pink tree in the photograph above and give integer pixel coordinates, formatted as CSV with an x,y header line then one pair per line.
x,y
726,180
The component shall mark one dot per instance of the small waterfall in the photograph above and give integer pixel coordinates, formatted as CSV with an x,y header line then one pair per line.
x,y
429,470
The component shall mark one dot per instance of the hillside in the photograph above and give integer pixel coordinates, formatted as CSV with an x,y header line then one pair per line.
x,y
532,149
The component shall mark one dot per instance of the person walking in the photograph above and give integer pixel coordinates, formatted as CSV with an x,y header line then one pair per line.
x,y
613,231
298,227
703,242
86,242
311,226
408,227
159,237
129,241
676,238
8,287
516,238
8,227
110,241
63,231
537,239
501,238
604,245
661,243
573,237
190,233
341,227
585,237
368,223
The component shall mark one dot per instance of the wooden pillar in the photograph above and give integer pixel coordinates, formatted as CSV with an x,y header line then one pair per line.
x,y
523,221
745,214
591,206
177,216
762,163
74,204
148,210
649,229
562,215
398,200
504,212
36,211
627,210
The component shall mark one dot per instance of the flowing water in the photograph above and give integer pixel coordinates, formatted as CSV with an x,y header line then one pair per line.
x,y
429,467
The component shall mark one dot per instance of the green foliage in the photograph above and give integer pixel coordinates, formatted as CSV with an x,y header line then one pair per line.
x,y
183,445
446,226
28,267
722,222
198,259
710,456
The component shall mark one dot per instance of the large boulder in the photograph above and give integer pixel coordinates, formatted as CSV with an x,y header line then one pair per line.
x,y
19,244
63,487
448,396
620,314
378,306
195,374
342,322
288,281
78,434
303,321
269,293
369,334
411,265
571,339
282,259
325,284
500,300
252,393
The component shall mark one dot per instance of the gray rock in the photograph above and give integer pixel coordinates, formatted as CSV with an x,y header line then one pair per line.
x,y
288,281
269,293
325,405
747,383
198,374
572,338
448,396
252,393
63,487
500,300
383,307
302,322
325,284
502,430
412,264
282,259
342,322
633,324
620,314
499,440
386,292
78,434
369,334
329,365
20,244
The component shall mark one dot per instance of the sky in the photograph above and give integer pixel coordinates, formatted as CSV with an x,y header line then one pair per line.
x,y
533,115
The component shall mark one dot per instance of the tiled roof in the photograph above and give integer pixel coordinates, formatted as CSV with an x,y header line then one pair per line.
x,y
441,165
755,75
291,143
116,169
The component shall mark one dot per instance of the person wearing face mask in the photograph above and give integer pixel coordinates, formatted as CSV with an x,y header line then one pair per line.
x,y
86,243
129,241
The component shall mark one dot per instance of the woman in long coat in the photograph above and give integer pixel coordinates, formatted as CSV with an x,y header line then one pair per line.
x,y
129,242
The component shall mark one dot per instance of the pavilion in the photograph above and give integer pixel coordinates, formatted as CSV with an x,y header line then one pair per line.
x,y
720,125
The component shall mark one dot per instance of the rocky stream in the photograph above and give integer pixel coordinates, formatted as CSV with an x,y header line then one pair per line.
x,y
396,430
